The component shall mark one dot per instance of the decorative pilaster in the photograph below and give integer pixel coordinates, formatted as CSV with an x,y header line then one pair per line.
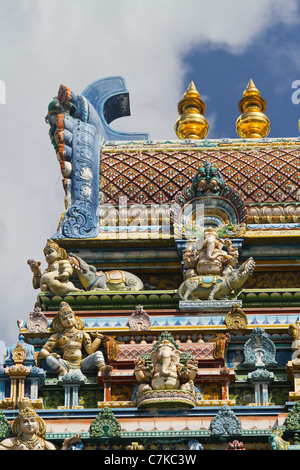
x,y
260,352
22,373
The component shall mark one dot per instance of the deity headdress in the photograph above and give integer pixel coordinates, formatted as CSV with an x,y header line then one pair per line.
x,y
52,244
26,410
65,309
165,339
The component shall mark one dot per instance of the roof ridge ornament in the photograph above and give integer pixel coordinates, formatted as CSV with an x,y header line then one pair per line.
x,y
253,123
191,124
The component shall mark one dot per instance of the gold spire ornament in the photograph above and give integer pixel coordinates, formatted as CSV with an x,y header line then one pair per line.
x,y
253,123
191,124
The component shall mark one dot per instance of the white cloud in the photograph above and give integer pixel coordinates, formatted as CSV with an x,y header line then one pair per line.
x,y
43,44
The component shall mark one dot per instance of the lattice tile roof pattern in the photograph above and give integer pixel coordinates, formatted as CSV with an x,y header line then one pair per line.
x,y
150,175
130,352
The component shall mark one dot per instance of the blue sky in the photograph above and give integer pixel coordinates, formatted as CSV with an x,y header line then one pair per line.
x,y
158,47
272,61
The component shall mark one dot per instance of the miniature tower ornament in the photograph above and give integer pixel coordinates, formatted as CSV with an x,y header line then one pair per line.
x,y
253,123
191,124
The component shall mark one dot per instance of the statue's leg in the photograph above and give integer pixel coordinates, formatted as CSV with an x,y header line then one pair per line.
x,y
213,292
95,360
106,289
58,365
186,293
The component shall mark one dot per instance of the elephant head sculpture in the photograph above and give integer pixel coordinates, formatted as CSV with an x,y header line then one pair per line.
x,y
164,367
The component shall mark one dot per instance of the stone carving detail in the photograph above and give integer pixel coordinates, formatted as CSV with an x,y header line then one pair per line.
x,y
37,322
5,428
225,422
269,213
56,277
259,349
219,199
78,123
210,272
135,446
31,437
294,331
74,133
293,366
20,370
236,319
292,421
69,336
91,279
139,320
221,341
165,375
193,444
235,445
208,180
105,424
276,442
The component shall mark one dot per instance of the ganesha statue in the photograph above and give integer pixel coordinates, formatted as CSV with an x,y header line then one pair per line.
x,y
210,271
165,376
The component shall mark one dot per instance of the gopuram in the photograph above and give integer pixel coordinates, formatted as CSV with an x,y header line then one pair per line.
x,y
165,312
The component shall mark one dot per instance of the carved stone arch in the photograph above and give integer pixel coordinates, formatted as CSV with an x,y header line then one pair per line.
x,y
105,424
225,422
194,207
259,349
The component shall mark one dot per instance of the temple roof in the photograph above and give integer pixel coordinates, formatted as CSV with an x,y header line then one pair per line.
x,y
263,170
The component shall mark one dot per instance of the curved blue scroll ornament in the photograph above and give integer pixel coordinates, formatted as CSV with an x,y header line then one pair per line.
x,y
78,125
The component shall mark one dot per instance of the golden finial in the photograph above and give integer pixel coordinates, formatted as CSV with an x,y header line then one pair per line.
x,y
253,123
191,124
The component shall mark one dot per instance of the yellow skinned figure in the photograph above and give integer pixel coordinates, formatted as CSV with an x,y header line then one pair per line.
x,y
28,430
72,340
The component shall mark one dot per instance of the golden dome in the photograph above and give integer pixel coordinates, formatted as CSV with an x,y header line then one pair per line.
x,y
191,124
253,123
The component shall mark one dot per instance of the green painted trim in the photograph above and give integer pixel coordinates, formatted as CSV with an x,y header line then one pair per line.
x,y
161,435
156,299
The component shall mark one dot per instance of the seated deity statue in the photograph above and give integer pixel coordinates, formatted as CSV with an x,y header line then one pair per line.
x,y
56,277
72,340
163,369
211,258
210,270
28,430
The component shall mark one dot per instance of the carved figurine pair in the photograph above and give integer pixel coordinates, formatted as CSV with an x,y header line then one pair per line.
x,y
56,277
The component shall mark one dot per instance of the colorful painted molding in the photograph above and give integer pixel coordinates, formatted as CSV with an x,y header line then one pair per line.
x,y
78,125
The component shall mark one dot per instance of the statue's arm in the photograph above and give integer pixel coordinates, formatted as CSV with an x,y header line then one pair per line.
x,y
7,444
65,270
49,346
89,345
37,273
